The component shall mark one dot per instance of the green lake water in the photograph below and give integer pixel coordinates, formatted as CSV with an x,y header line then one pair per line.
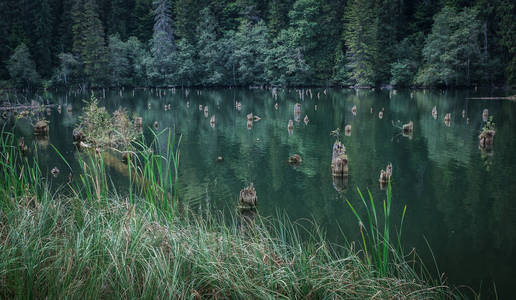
x,y
461,200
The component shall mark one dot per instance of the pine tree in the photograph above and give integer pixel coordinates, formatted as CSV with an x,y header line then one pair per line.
x,y
144,20
43,28
360,38
163,62
187,18
207,48
89,43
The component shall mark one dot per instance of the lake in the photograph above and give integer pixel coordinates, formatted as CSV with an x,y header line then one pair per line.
x,y
459,199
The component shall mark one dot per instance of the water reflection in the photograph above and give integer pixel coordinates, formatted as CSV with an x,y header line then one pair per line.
x,y
459,197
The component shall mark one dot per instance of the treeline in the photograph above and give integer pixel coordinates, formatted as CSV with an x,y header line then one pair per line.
x,y
263,42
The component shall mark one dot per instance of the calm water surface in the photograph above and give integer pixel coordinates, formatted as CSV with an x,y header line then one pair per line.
x,y
459,199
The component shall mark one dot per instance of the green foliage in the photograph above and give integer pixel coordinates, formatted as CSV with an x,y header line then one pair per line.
x,y
69,69
102,130
307,42
118,61
92,242
22,68
452,50
250,53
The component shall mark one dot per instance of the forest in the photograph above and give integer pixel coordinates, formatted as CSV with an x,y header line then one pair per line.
x,y
211,43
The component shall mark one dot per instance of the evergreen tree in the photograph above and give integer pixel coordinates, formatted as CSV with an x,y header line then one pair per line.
x,y
278,16
209,57
360,38
506,12
187,18
89,43
144,18
43,48
162,64
22,68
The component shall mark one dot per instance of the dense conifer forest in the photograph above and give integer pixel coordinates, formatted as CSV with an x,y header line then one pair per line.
x,y
112,43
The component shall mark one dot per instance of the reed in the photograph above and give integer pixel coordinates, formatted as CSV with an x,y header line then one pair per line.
x,y
96,242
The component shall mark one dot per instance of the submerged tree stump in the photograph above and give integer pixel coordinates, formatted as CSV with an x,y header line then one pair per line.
x,y
295,159
486,139
385,175
248,198
485,114
339,161
41,128
408,128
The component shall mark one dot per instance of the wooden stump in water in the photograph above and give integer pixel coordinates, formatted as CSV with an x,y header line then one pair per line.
x,y
295,159
486,139
408,128
248,197
41,128
339,161
340,184
347,130
385,175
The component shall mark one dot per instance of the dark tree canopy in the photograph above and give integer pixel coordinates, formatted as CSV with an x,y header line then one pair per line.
x,y
258,42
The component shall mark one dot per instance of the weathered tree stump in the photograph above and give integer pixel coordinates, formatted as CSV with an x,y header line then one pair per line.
x,y
347,130
485,115
486,139
340,183
408,128
41,128
386,175
248,198
339,161
295,159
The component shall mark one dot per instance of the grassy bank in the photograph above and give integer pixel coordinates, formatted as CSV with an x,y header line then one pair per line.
x,y
90,241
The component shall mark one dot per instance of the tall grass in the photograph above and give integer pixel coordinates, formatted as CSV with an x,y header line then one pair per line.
x,y
97,243
376,239
20,176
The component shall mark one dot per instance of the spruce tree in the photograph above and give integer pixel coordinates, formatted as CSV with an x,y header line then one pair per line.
x,y
360,37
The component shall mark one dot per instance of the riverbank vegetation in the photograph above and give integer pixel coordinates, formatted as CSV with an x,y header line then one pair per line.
x,y
91,240
103,43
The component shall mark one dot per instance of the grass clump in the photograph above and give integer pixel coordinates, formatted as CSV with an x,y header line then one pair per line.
x,y
97,127
65,249
95,243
